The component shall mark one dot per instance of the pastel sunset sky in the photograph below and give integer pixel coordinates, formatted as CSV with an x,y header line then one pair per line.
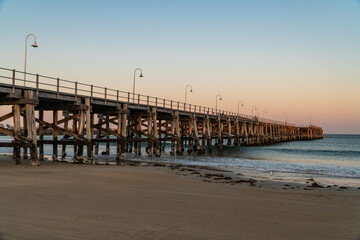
x,y
298,60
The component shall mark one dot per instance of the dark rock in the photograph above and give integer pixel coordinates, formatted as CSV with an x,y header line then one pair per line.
x,y
315,185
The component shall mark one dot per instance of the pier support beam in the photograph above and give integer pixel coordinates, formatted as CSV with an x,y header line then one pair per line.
x,y
25,153
195,131
31,128
209,133
150,134
220,136
75,131
176,122
98,133
229,133
89,132
66,123
118,144
16,120
123,133
107,151
55,135
41,136
80,152
156,147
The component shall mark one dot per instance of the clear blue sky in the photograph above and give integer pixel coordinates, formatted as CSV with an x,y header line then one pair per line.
x,y
296,57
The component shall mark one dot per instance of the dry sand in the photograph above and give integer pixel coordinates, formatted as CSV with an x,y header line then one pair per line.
x,y
68,201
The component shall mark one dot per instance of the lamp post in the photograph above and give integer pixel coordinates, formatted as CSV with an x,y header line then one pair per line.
x,y
252,110
310,120
264,111
141,75
33,45
242,104
286,114
186,91
217,100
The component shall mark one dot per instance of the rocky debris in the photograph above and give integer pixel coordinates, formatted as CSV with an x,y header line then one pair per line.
x,y
315,185
158,165
210,175
250,181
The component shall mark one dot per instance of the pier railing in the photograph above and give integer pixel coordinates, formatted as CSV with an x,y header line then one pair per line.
x,y
38,82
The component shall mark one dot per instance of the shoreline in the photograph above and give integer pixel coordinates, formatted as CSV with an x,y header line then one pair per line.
x,y
150,201
277,177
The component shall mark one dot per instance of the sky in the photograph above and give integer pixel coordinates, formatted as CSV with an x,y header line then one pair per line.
x,y
294,60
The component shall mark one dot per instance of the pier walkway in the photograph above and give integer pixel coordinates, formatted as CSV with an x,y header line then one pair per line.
x,y
91,114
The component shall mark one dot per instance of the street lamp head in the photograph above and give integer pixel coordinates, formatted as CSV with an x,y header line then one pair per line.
x,y
34,44
220,98
141,75
191,90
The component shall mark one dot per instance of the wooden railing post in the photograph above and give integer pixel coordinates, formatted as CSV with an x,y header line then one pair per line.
x,y
156,102
76,91
147,100
13,81
164,103
92,91
128,97
37,85
171,104
105,95
117,98
57,87
138,99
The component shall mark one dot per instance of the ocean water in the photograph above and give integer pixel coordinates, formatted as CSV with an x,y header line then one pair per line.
x,y
332,160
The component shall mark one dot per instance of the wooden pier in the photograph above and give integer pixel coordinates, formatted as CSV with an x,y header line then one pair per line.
x,y
87,115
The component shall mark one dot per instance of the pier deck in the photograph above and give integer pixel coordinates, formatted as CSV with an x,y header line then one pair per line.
x,y
91,114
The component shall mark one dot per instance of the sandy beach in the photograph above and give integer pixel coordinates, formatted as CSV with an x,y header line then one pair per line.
x,y
156,201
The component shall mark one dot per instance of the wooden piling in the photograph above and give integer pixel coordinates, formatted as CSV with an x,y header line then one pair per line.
x,y
156,146
41,136
75,131
55,135
16,121
150,134
25,154
139,128
118,144
107,151
66,125
89,134
80,131
123,132
31,128
98,133
172,132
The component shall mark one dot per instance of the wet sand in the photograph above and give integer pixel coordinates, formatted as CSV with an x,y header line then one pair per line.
x,y
156,201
